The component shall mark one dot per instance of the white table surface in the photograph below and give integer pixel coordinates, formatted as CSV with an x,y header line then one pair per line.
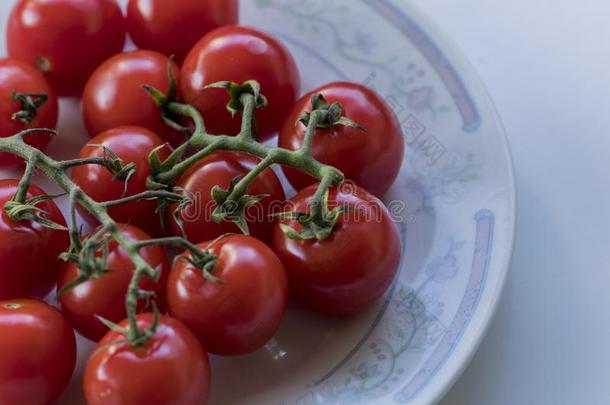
x,y
546,64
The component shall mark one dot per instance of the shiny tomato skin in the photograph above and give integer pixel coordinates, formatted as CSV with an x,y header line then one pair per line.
x,y
73,37
220,168
114,97
171,368
133,145
347,272
372,159
243,312
172,28
236,53
29,248
20,77
38,352
105,296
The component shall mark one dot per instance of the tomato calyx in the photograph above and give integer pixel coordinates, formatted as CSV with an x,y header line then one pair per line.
x,y
90,256
30,103
236,91
135,340
20,208
163,99
206,262
202,259
157,166
29,211
318,224
233,210
119,169
332,115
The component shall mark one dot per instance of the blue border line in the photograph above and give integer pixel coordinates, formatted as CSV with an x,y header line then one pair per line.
x,y
378,6
480,215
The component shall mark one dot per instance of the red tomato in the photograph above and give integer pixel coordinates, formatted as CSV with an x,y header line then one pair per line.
x,y
17,76
114,96
65,39
28,251
352,268
133,145
171,368
173,28
372,159
219,169
241,314
238,54
105,296
38,352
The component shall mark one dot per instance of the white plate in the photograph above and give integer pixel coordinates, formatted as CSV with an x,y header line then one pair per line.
x,y
455,200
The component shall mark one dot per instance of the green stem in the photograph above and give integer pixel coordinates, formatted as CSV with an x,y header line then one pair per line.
x,y
100,161
24,183
301,159
74,231
314,119
55,170
174,173
248,124
209,143
318,206
145,195
241,187
170,241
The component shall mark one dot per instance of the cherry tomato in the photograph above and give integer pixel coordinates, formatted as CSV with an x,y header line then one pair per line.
x,y
133,145
105,295
65,39
171,368
29,252
219,169
19,77
345,273
114,96
173,28
243,312
237,54
38,352
372,159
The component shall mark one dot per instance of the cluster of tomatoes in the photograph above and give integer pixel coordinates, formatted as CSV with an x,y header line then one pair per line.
x,y
75,48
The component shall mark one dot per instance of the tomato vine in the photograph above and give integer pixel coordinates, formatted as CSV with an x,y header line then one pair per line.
x,y
231,202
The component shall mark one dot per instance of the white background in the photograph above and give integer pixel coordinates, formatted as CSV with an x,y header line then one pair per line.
x,y
546,64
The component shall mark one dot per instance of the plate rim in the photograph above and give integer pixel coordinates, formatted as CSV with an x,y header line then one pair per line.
x,y
461,358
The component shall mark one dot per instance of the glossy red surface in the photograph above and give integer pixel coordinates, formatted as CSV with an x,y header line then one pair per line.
x,y
65,39
38,352
114,95
171,368
18,76
133,145
243,312
371,159
347,272
28,251
237,54
172,28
